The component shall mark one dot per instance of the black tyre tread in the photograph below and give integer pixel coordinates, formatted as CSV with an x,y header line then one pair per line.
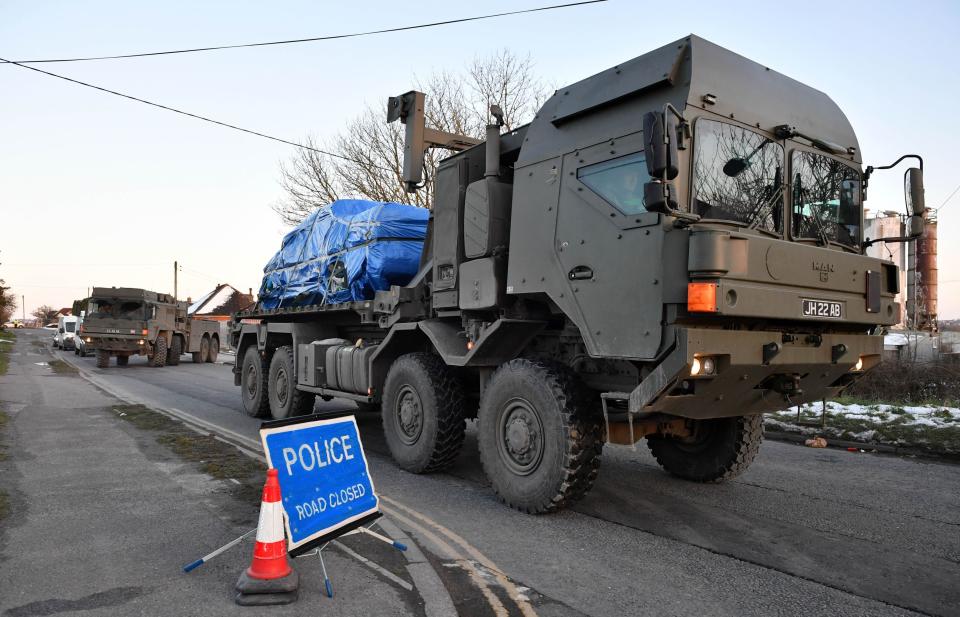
x,y
103,358
748,437
195,357
451,426
160,352
213,349
301,402
263,410
173,354
583,429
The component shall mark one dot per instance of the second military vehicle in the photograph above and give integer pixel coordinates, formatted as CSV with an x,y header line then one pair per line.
x,y
669,249
124,321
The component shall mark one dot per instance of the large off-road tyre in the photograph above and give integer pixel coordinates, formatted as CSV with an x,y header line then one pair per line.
x,y
123,360
204,348
423,413
285,400
213,349
176,348
540,437
160,352
103,358
253,383
719,449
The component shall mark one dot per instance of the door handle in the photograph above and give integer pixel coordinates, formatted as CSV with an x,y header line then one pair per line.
x,y
580,273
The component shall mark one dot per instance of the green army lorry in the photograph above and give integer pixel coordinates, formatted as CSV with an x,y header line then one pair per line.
x,y
671,248
124,321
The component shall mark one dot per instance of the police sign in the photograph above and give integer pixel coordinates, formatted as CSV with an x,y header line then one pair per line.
x,y
325,484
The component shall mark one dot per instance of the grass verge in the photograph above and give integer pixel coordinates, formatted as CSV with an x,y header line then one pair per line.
x,y
5,350
212,456
64,368
929,429
4,498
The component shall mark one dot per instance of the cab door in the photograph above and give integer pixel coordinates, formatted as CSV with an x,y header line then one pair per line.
x,y
610,250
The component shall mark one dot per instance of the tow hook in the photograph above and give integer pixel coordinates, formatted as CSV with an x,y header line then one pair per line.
x,y
787,385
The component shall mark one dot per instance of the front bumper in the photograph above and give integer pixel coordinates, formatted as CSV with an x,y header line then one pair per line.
x,y
117,343
744,373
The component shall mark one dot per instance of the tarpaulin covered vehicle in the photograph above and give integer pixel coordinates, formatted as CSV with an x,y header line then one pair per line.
x,y
345,252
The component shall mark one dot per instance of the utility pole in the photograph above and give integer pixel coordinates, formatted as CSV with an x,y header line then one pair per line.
x,y
174,281
23,309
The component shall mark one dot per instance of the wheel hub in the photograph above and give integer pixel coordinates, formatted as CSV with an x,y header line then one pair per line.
x,y
282,387
409,415
521,436
251,380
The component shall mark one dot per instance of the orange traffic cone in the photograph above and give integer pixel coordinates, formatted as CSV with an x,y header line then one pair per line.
x,y
269,579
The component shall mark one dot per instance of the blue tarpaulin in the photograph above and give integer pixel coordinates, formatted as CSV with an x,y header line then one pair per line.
x,y
345,252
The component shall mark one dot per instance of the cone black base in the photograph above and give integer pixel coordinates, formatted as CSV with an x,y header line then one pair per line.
x,y
249,585
266,599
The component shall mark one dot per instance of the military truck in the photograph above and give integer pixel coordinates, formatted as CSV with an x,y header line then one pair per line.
x,y
124,321
669,249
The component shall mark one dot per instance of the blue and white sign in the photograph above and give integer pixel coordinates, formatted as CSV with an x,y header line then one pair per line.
x,y
324,480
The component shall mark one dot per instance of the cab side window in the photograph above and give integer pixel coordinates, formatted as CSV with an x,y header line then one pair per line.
x,y
618,181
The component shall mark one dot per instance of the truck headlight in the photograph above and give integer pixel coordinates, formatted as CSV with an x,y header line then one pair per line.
x,y
703,366
140,342
859,365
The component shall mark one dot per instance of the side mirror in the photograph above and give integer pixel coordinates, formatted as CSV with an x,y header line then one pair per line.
x,y
660,197
913,191
660,145
915,226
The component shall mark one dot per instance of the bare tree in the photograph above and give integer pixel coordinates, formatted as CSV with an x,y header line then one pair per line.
x,y
372,150
45,313
8,303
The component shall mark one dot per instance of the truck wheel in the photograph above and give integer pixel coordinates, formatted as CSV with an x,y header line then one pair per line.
x,y
176,348
160,352
423,413
204,349
123,360
103,358
285,399
719,449
253,383
539,441
214,349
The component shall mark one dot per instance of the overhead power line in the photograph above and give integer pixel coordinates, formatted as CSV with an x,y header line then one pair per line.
x,y
315,38
949,197
198,117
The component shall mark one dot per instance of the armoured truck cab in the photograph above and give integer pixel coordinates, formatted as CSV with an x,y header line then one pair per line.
x,y
670,248
695,215
123,322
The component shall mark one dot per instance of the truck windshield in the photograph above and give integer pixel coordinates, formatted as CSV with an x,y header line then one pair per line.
x,y
738,176
826,199
116,309
70,326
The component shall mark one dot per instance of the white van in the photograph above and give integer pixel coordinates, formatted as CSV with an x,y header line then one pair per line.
x,y
65,337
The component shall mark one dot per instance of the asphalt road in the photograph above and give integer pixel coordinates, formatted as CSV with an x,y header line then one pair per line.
x,y
804,531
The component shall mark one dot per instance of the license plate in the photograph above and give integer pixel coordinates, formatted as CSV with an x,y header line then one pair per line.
x,y
822,308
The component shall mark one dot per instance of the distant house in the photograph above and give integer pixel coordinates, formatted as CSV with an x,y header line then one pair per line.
x,y
221,303
66,312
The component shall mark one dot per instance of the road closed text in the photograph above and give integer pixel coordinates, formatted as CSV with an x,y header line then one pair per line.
x,y
334,500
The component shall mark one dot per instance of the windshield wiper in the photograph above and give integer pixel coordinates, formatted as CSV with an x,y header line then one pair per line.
x,y
821,228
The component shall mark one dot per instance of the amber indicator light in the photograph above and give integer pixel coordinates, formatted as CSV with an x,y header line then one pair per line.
x,y
702,297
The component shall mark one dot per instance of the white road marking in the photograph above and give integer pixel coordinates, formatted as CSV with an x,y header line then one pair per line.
x,y
521,600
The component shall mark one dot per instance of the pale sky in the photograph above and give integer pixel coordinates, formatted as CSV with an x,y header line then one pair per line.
x,y
98,190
